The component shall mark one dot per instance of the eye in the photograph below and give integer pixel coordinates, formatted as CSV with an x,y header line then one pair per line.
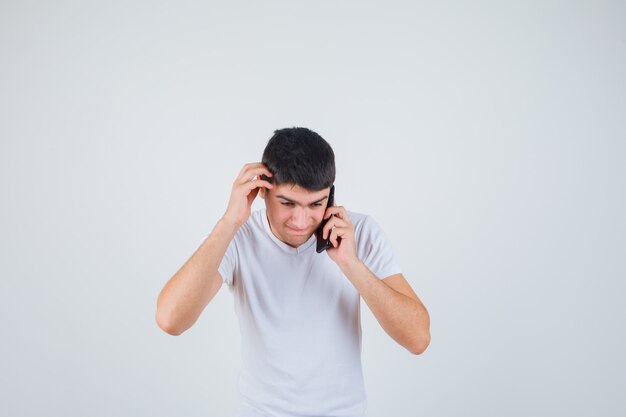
x,y
318,204
287,204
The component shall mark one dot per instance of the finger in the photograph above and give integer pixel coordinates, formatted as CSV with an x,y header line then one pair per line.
x,y
332,210
327,231
339,233
254,184
333,240
251,165
252,194
343,232
334,237
253,173
336,234
332,223
337,211
258,183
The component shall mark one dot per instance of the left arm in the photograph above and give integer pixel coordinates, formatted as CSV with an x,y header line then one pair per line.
x,y
392,300
394,304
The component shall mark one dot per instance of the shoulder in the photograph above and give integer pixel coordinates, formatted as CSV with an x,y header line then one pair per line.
x,y
372,246
361,219
364,224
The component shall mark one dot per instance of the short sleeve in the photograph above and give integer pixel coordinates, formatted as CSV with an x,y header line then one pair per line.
x,y
229,261
374,249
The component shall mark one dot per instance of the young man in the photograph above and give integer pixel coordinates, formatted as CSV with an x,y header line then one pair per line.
x,y
298,310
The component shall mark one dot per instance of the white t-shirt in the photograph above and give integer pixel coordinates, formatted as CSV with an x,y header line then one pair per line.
x,y
300,322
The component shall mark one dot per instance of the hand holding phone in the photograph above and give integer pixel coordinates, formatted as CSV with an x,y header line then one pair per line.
x,y
323,244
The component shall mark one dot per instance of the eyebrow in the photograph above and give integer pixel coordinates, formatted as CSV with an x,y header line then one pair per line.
x,y
293,201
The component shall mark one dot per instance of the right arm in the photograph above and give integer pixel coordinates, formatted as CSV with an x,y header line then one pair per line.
x,y
195,284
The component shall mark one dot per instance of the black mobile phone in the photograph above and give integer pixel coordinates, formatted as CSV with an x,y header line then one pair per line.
x,y
323,244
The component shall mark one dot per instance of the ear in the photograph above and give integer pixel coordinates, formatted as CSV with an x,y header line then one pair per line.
x,y
262,192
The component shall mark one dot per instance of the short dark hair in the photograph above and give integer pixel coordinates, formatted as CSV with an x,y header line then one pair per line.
x,y
299,156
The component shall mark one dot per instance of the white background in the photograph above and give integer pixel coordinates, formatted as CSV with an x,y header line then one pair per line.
x,y
488,139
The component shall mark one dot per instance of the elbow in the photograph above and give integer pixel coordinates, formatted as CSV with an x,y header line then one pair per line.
x,y
419,346
421,339
167,326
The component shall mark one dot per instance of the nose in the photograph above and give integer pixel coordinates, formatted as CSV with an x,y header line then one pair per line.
x,y
298,218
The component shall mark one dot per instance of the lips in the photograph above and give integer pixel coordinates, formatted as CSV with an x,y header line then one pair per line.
x,y
298,231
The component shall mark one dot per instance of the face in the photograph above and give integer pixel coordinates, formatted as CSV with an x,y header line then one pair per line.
x,y
294,213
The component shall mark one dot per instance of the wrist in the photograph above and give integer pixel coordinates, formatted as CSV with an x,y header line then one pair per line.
x,y
351,266
229,223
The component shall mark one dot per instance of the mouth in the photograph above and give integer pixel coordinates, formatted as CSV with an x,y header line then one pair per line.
x,y
298,231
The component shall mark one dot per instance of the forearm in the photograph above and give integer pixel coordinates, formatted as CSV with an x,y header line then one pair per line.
x,y
403,318
187,293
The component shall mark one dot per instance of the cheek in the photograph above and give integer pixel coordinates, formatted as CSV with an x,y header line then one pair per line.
x,y
280,214
318,216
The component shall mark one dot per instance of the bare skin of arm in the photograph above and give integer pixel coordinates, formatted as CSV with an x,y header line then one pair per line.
x,y
392,300
187,293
